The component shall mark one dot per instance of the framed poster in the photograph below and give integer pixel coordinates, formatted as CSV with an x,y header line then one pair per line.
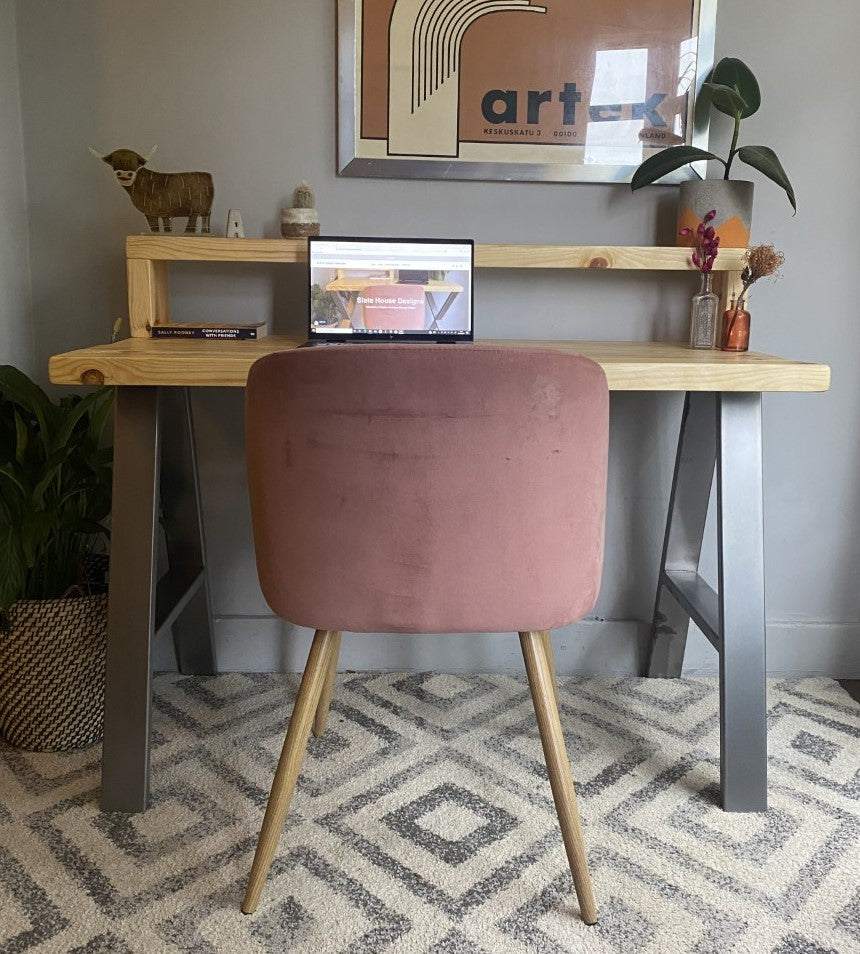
x,y
550,90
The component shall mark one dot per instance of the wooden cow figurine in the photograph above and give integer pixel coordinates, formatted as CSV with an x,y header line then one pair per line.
x,y
162,195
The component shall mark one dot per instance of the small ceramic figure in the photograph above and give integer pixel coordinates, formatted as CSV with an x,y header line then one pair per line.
x,y
162,195
235,227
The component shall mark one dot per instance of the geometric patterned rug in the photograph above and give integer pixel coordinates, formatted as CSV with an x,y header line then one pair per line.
x,y
424,822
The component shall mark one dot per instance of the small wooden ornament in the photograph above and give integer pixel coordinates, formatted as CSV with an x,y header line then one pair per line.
x,y
162,196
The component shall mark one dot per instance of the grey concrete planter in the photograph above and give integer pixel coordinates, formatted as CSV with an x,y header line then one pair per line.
x,y
733,200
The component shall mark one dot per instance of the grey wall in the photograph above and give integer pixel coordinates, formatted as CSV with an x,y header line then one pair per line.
x,y
16,339
248,91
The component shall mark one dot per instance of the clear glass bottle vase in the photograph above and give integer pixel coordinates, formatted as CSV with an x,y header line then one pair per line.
x,y
703,315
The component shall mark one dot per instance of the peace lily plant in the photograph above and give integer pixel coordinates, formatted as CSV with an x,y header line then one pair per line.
x,y
731,88
55,487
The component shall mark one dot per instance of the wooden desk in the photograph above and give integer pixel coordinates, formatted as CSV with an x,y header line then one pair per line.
x,y
155,459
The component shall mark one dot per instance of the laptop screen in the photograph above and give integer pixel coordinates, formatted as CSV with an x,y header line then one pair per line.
x,y
375,289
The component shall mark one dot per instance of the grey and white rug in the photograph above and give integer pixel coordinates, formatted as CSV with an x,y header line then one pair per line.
x,y
424,823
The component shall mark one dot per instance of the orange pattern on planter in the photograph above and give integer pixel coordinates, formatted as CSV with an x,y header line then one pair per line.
x,y
733,233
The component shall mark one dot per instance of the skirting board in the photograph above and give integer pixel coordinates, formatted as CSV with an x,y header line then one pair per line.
x,y
592,647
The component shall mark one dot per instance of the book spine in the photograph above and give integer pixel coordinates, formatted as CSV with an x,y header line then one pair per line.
x,y
225,333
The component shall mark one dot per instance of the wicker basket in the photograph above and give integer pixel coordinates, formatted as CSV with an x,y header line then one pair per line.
x,y
52,673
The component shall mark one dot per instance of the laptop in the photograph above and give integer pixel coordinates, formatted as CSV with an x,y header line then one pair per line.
x,y
389,289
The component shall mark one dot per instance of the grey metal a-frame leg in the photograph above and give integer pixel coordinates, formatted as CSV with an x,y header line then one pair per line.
x,y
151,424
723,430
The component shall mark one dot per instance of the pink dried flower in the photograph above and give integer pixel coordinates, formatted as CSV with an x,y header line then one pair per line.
x,y
707,243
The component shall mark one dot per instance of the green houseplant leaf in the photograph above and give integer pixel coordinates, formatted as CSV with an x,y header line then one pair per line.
x,y
666,161
13,491
735,74
73,414
36,527
99,412
12,575
17,388
765,160
55,486
21,437
724,98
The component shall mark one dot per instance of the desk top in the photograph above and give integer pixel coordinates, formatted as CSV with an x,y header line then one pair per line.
x,y
629,365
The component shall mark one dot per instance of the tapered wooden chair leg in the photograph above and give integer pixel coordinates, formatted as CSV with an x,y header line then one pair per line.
x,y
546,639
321,717
290,763
558,767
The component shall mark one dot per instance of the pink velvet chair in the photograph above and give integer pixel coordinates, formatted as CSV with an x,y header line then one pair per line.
x,y
445,489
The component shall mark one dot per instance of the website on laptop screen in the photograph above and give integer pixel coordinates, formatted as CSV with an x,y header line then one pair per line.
x,y
387,289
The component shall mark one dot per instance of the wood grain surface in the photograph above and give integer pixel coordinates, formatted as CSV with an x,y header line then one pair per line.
x,y
629,365
207,249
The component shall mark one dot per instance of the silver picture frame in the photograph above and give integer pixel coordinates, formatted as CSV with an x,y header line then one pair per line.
x,y
375,158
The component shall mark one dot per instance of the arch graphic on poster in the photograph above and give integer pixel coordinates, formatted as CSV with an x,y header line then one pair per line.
x,y
424,42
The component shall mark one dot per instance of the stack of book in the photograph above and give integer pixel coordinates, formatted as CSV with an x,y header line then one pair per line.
x,y
195,330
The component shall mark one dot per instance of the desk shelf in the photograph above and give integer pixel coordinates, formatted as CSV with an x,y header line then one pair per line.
x,y
148,258
165,248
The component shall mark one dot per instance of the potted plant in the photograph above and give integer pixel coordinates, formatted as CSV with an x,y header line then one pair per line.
x,y
323,307
55,496
731,88
302,219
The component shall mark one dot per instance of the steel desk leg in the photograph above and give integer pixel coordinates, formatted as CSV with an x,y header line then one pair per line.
x,y
724,429
131,604
685,526
150,423
740,529
183,593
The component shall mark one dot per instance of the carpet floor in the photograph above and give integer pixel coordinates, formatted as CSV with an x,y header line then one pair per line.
x,y
424,823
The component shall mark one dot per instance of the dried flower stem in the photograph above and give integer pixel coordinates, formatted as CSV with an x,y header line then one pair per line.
x,y
761,262
735,317
707,243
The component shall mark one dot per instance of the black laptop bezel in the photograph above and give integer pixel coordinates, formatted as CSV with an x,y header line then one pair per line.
x,y
363,337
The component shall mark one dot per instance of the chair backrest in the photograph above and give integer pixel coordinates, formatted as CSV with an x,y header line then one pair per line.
x,y
427,488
